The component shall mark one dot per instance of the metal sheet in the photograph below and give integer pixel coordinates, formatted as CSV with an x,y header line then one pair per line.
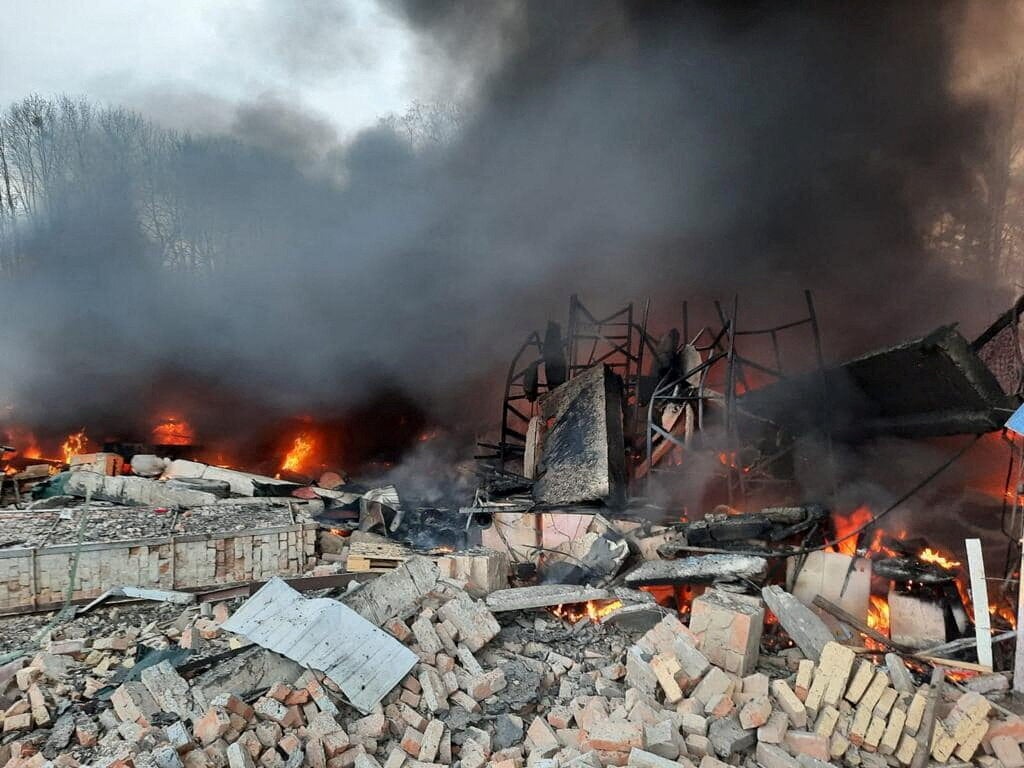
x,y
325,635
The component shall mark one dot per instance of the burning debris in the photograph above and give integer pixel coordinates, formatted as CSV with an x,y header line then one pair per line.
x,y
572,612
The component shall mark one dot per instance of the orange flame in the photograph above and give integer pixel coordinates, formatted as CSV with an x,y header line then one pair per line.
x,y
595,610
300,453
173,431
929,555
845,525
878,619
73,445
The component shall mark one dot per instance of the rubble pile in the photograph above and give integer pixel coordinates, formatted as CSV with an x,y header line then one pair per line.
x,y
505,690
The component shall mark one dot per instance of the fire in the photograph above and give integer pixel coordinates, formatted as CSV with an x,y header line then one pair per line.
x,y
300,453
845,526
73,445
929,555
878,614
595,610
173,431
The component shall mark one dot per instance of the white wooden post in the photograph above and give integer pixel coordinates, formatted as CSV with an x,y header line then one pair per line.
x,y
979,596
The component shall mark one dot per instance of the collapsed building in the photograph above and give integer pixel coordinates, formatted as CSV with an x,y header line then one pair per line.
x,y
640,578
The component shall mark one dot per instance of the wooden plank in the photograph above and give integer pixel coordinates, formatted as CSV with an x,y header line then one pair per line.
x,y
979,597
827,605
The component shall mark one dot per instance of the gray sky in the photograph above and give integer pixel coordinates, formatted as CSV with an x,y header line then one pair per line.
x,y
180,60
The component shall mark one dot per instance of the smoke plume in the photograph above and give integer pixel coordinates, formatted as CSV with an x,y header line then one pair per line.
x,y
618,150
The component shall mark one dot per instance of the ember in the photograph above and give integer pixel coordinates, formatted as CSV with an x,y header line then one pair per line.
x,y
595,610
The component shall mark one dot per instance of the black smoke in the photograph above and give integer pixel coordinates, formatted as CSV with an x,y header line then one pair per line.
x,y
618,150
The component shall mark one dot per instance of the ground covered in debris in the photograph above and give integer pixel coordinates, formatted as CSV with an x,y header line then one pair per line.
x,y
100,522
154,684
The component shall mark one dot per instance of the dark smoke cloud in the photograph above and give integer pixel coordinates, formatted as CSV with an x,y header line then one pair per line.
x,y
617,150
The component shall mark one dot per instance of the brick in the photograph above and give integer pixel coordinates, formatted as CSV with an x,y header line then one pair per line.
x,y
22,722
558,717
251,743
893,732
715,683
692,723
728,629
335,743
943,744
87,733
133,703
758,684
639,758
789,703
613,736
756,712
831,677
728,737
873,737
271,709
970,708
435,693
662,739
475,624
486,685
372,726
874,690
1007,750
214,723
966,749
169,689
411,741
431,740
906,750
697,745
710,762
771,756
665,668
884,704
837,745
721,705
804,677
861,680
826,721
774,731
425,635
541,738
806,743
239,757
915,712
464,700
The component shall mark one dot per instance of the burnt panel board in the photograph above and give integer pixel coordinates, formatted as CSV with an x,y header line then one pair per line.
x,y
584,457
936,385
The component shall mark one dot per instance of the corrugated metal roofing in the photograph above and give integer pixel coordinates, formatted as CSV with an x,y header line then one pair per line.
x,y
322,634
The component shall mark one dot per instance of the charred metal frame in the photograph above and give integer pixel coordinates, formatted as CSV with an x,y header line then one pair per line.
x,y
616,340
721,349
514,419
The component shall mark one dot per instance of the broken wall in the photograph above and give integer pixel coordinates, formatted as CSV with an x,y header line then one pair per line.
x,y
38,576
